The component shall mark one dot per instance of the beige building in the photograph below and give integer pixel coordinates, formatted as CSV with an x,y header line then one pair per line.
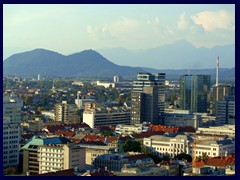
x,y
92,151
65,112
169,145
215,148
128,170
218,130
55,157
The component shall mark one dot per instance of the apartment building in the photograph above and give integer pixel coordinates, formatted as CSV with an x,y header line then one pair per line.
x,y
30,151
55,157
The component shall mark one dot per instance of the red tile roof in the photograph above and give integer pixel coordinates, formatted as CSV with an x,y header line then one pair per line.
x,y
66,133
220,161
171,129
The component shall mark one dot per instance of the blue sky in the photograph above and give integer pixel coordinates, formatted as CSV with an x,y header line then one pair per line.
x,y
73,28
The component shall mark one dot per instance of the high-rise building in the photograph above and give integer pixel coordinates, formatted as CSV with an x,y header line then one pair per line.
x,y
219,93
11,130
148,97
225,111
194,92
65,112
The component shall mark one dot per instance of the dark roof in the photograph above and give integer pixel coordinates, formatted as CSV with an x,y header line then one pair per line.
x,y
68,172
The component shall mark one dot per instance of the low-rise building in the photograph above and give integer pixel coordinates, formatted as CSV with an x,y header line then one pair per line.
x,y
30,151
131,129
108,116
228,130
181,118
213,148
55,157
92,151
114,162
169,144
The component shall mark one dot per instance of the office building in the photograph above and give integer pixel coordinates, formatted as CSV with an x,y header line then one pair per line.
x,y
194,91
219,93
11,130
225,111
181,118
106,116
148,97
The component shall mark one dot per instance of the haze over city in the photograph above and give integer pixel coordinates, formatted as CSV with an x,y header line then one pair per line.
x,y
67,29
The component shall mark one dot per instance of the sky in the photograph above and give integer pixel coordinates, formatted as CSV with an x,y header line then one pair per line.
x,y
70,28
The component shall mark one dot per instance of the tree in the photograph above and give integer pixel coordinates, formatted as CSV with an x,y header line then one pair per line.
x,y
107,133
131,146
184,156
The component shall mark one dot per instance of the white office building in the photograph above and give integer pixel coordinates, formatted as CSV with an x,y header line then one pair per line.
x,y
11,130
104,118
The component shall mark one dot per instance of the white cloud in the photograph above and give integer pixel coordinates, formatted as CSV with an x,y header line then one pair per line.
x,y
211,21
153,21
183,22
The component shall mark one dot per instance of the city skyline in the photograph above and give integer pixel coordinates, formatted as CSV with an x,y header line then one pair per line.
x,y
73,28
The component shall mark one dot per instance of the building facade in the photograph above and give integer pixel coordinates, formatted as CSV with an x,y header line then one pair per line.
x,y
194,91
30,152
105,117
169,145
65,112
148,98
214,148
225,111
56,157
219,93
181,118
11,130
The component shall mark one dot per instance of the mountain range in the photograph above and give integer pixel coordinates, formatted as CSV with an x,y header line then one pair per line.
x,y
87,63
179,55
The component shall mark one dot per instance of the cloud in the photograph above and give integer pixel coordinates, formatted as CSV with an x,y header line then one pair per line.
x,y
183,21
116,29
153,21
212,21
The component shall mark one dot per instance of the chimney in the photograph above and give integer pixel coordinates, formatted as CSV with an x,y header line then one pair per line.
x,y
217,70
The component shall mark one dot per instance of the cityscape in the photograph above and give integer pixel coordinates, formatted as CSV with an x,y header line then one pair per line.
x,y
164,105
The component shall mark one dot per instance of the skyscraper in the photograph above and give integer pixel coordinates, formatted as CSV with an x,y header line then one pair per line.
x,y
11,130
148,97
193,92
